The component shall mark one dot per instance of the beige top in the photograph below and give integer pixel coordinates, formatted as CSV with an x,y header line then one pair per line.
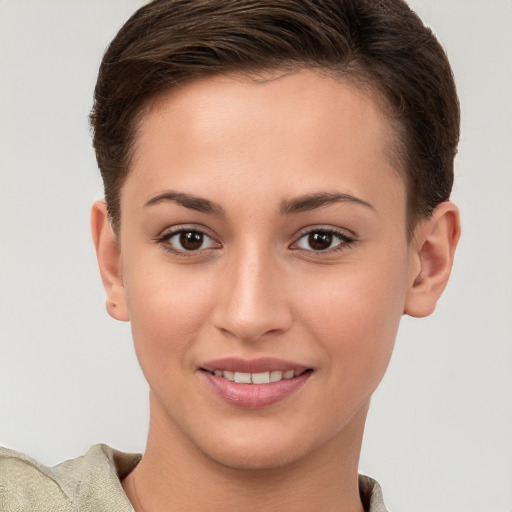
x,y
92,483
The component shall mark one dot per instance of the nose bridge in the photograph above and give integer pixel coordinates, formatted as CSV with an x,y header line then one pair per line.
x,y
253,300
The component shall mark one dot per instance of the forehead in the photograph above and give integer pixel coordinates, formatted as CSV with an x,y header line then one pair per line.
x,y
266,95
300,128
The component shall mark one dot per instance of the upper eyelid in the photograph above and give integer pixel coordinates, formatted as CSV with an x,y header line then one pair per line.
x,y
173,230
346,239
164,241
170,232
344,232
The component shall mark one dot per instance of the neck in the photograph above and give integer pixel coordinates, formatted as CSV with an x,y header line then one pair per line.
x,y
175,475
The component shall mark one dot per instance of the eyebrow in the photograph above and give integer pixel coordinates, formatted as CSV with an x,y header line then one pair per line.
x,y
189,201
313,201
299,204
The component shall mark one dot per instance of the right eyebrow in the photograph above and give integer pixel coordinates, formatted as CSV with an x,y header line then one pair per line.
x,y
189,201
318,200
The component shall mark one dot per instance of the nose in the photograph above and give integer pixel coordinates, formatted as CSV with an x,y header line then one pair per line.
x,y
252,301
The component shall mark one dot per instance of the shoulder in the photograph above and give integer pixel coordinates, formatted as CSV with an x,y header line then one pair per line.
x,y
90,482
371,494
23,481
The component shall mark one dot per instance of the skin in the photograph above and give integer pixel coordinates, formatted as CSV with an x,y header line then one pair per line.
x,y
256,287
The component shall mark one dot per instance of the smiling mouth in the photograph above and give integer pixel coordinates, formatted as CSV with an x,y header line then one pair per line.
x,y
259,377
256,383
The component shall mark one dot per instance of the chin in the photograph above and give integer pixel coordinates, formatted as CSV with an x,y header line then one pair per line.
x,y
260,450
257,459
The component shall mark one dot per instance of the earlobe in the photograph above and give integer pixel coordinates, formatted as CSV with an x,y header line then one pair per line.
x,y
108,254
433,249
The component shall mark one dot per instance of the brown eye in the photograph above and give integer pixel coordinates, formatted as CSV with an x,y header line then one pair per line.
x,y
323,241
188,241
191,240
320,240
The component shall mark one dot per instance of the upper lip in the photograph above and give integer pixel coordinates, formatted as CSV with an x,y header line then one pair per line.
x,y
258,365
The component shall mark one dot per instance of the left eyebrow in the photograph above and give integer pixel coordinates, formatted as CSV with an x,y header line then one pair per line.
x,y
313,201
189,201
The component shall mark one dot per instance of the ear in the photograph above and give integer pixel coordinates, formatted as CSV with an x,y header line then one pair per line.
x,y
432,251
108,254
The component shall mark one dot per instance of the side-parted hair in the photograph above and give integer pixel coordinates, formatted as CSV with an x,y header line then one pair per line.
x,y
378,44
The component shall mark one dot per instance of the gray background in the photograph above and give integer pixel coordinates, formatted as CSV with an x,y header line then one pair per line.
x,y
439,436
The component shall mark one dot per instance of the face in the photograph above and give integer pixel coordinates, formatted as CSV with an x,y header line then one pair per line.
x,y
263,240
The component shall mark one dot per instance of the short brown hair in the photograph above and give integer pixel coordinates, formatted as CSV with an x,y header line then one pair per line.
x,y
381,43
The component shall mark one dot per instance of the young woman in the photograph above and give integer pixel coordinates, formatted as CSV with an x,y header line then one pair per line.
x,y
277,180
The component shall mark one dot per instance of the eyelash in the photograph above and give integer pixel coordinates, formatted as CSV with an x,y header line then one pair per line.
x,y
344,241
164,241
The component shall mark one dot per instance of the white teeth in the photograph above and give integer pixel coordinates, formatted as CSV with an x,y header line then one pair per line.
x,y
243,378
260,378
257,378
276,376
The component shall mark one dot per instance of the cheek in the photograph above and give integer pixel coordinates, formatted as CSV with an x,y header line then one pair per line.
x,y
354,319
167,311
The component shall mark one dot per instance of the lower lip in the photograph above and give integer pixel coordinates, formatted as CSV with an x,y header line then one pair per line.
x,y
254,396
